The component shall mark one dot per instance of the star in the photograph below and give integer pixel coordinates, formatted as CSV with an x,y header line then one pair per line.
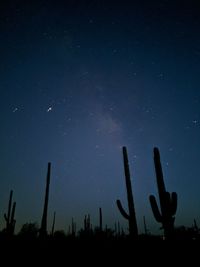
x,y
15,110
49,109
195,121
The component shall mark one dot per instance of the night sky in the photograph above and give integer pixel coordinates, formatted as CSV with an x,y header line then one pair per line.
x,y
81,79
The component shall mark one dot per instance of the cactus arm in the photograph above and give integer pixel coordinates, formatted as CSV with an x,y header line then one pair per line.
x,y
121,209
155,209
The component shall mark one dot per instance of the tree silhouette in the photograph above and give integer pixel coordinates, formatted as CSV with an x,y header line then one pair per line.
x,y
29,231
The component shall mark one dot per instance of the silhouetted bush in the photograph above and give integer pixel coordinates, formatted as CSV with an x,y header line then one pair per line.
x,y
29,231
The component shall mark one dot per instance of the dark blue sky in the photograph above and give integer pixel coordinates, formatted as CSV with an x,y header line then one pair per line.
x,y
81,79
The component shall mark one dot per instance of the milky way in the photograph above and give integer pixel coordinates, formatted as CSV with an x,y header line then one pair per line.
x,y
81,80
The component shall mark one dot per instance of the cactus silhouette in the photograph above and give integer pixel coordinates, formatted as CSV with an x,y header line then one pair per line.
x,y
9,217
168,203
43,229
131,217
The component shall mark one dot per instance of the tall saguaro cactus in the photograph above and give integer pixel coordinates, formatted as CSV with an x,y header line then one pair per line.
x,y
131,217
9,217
43,229
168,202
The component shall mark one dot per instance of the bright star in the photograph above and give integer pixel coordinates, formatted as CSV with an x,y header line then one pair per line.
x,y
49,109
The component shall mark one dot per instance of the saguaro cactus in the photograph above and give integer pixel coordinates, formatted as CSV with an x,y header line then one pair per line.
x,y
9,217
131,217
43,229
168,203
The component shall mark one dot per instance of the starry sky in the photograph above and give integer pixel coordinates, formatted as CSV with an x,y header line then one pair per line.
x,y
81,79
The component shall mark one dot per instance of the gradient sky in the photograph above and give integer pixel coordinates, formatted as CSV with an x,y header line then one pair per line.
x,y
81,79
